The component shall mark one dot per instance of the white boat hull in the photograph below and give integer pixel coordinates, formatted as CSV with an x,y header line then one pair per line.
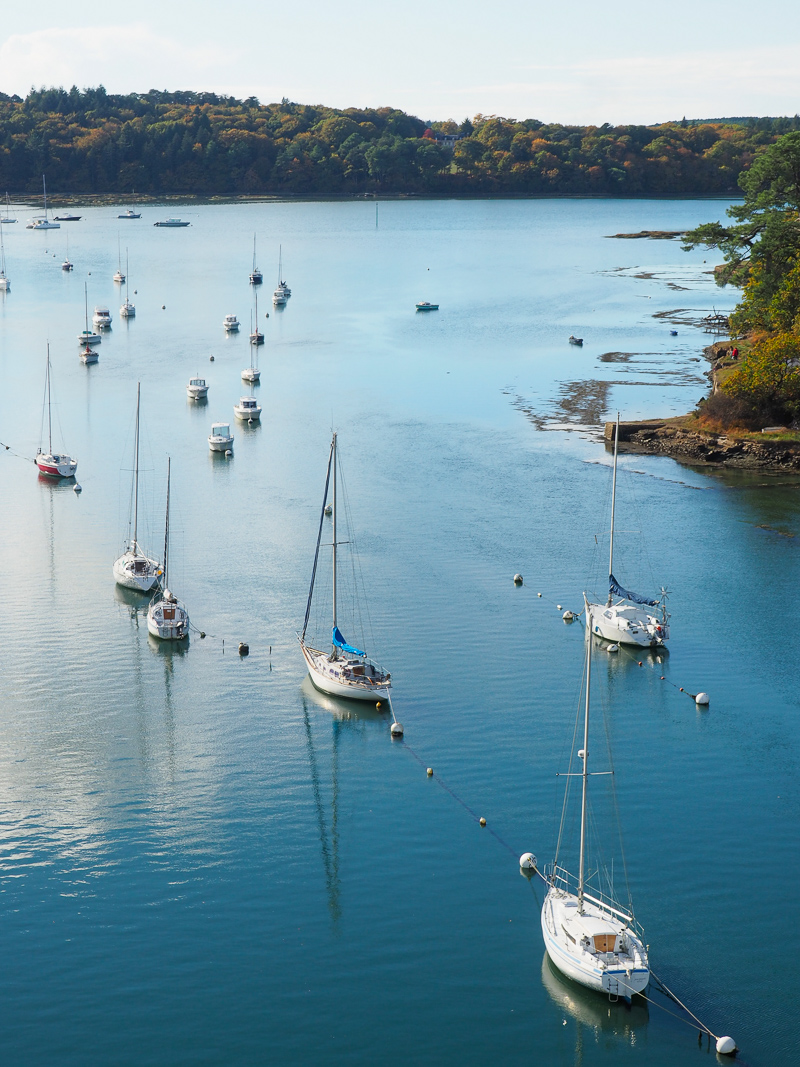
x,y
5,285
326,680
88,355
251,375
136,572
195,392
614,977
247,414
220,444
89,338
167,629
627,625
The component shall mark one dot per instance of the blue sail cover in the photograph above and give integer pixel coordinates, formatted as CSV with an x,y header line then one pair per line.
x,y
340,642
616,590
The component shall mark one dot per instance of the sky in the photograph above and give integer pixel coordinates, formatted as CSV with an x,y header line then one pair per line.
x,y
577,62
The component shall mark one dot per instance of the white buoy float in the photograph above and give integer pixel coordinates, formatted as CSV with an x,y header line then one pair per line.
x,y
726,1046
396,729
613,648
329,509
567,616
517,579
228,452
78,488
558,606
701,700
538,594
527,861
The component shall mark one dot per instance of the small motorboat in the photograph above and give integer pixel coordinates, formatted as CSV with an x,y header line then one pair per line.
x,y
87,337
101,317
279,298
197,389
576,340
220,439
230,324
673,333
426,305
67,218
247,409
129,214
172,223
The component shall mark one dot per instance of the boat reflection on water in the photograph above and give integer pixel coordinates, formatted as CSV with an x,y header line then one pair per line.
x,y
341,708
592,1011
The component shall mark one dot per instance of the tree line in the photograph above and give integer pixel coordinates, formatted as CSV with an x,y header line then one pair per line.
x,y
91,141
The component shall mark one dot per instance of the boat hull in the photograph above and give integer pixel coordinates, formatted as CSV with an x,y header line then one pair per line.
x,y
126,573
646,631
175,629
5,285
220,444
57,466
336,687
613,980
247,414
197,393
251,375
89,355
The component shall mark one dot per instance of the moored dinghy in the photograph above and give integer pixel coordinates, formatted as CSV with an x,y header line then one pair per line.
x,y
344,671
167,618
134,569
588,935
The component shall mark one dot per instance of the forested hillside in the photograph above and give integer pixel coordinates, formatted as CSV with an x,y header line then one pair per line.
x,y
209,145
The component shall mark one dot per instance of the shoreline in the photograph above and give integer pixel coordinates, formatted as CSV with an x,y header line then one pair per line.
x,y
682,438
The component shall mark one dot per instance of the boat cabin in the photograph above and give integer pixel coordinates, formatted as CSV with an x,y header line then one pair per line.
x,y
220,429
199,383
248,403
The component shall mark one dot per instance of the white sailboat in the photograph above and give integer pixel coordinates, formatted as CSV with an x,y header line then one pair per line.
x,y
87,338
256,277
167,618
119,277
53,464
624,618
67,265
7,217
42,222
588,935
133,569
5,284
256,336
128,310
344,671
282,286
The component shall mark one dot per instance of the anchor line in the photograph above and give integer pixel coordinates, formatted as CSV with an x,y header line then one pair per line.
x,y
18,455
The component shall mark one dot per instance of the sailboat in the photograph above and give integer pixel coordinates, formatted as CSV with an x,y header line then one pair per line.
x,y
54,465
42,222
128,310
7,218
87,338
626,621
133,569
167,618
589,936
282,289
5,284
119,277
256,277
256,336
344,671
66,265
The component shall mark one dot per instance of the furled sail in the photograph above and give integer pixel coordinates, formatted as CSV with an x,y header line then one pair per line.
x,y
616,590
340,642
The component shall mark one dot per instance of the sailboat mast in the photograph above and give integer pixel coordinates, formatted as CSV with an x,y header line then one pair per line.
x,y
166,533
49,420
44,190
585,757
334,530
136,472
613,508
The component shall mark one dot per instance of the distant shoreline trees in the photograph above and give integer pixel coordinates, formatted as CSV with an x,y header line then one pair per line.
x,y
159,143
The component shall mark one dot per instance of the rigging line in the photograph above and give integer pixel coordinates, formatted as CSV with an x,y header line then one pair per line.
x,y
17,455
604,702
665,988
319,538
662,677
571,759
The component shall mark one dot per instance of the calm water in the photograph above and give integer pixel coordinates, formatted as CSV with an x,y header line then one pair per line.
x,y
205,862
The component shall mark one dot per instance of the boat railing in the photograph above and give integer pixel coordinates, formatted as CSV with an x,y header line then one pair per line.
x,y
561,879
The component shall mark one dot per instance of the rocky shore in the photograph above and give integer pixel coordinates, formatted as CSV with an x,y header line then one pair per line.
x,y
683,439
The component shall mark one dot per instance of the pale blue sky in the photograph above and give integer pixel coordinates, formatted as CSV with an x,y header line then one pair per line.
x,y
622,61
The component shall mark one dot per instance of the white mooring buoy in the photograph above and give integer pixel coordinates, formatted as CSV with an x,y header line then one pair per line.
x,y
527,861
396,729
567,616
77,488
228,452
517,579
613,648
726,1046
538,594
701,699
558,606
